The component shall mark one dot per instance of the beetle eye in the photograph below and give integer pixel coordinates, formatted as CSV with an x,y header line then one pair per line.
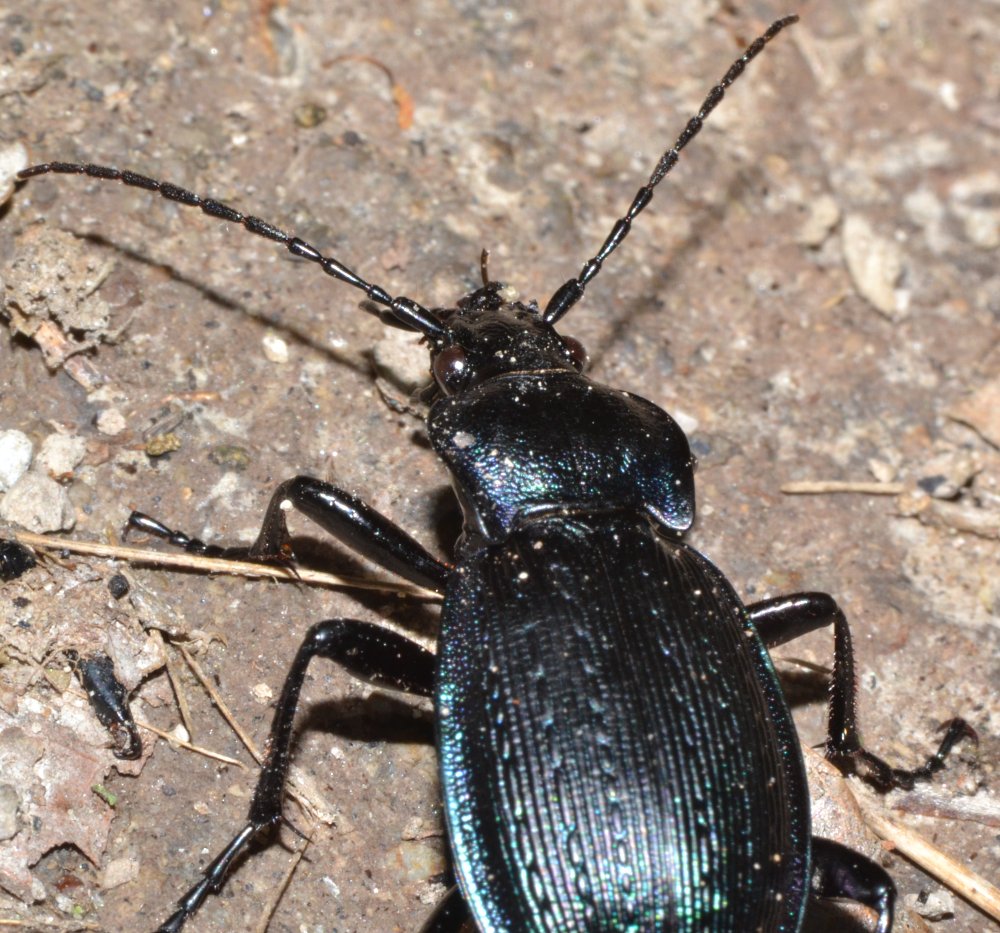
x,y
451,369
577,353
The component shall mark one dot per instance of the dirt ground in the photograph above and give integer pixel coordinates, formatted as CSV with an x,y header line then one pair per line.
x,y
814,294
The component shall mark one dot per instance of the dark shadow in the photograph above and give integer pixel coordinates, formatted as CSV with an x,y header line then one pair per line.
x,y
829,917
381,717
226,303
802,687
710,218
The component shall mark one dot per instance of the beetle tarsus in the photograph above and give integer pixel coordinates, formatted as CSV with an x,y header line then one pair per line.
x,y
844,746
138,521
884,776
341,514
780,620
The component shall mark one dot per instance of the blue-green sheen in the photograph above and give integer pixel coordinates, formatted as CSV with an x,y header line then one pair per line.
x,y
615,750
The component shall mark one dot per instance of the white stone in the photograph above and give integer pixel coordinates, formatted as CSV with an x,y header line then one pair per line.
x,y
15,457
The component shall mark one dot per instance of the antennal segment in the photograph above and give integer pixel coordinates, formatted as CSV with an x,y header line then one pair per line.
x,y
571,292
408,312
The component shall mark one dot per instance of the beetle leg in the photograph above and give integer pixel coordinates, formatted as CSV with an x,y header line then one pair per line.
x,y
787,617
371,653
351,521
451,916
346,517
841,872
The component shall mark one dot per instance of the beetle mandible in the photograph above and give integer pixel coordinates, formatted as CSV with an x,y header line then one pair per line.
x,y
615,749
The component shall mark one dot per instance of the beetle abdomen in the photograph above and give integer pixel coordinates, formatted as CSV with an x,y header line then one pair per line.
x,y
615,751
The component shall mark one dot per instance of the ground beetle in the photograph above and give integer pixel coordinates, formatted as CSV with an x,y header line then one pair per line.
x,y
615,749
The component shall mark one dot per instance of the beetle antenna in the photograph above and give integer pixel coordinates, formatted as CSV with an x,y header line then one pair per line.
x,y
571,292
406,311
484,266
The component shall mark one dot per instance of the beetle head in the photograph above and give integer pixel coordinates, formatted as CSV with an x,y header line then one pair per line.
x,y
490,334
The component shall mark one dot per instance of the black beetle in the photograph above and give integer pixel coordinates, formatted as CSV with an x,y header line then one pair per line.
x,y
616,752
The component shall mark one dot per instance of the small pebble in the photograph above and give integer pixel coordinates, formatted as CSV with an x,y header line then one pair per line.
x,y
13,158
10,805
119,871
118,586
933,905
275,348
309,115
875,264
15,457
882,471
161,444
60,455
262,693
38,503
824,213
111,422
